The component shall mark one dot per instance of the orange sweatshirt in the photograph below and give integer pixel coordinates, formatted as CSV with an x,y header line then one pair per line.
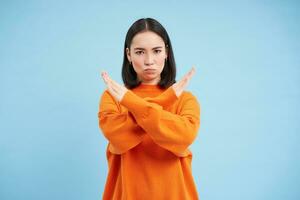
x,y
148,135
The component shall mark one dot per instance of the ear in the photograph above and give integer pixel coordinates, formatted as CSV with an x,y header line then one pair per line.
x,y
128,54
167,51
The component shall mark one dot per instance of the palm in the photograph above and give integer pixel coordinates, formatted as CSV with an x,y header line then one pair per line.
x,y
115,89
181,85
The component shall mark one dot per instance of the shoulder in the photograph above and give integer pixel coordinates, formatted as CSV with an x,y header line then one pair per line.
x,y
187,95
188,99
108,102
105,94
106,97
188,103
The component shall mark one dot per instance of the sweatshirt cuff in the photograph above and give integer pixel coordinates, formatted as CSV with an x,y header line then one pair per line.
x,y
134,103
170,95
137,105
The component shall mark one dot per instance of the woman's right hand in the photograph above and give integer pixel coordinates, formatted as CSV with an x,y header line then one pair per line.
x,y
181,85
115,89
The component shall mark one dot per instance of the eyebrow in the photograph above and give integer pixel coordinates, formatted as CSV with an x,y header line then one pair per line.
x,y
139,48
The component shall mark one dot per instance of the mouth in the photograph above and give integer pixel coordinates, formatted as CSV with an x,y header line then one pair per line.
x,y
149,70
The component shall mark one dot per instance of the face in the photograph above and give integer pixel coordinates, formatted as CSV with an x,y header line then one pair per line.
x,y
147,53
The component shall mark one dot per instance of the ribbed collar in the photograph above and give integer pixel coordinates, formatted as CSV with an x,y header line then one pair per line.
x,y
145,87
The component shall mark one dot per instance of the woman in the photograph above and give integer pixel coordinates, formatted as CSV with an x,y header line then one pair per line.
x,y
150,122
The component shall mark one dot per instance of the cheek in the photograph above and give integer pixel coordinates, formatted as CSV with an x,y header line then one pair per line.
x,y
161,61
137,62
137,65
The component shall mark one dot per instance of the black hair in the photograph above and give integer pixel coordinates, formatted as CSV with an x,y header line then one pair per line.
x,y
168,74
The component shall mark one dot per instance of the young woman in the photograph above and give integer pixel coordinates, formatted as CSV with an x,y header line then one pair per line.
x,y
150,122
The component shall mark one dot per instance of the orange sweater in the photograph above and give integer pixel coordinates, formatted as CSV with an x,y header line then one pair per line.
x,y
148,135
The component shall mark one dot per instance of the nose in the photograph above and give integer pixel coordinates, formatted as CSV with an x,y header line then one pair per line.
x,y
148,59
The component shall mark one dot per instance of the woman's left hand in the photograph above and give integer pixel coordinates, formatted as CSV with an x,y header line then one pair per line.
x,y
181,85
116,90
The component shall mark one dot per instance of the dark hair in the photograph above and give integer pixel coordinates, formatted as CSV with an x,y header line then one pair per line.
x,y
168,74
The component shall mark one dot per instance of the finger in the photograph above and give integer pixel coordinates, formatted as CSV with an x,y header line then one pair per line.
x,y
191,72
104,77
111,91
110,88
114,86
184,81
103,73
109,83
185,78
108,79
188,75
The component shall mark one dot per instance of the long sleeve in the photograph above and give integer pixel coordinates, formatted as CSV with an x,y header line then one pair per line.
x,y
174,132
165,99
118,125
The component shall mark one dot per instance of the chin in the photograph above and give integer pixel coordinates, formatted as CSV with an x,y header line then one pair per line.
x,y
149,79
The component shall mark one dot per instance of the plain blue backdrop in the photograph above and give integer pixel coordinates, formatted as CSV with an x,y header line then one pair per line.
x,y
247,57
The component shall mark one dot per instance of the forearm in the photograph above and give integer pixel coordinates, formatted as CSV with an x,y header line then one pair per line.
x,y
174,132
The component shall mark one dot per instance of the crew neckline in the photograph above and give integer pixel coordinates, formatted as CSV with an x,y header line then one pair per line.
x,y
150,87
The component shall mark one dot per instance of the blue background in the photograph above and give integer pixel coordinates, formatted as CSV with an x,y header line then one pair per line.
x,y
248,74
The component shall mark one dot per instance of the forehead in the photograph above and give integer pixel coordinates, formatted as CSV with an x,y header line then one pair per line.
x,y
147,39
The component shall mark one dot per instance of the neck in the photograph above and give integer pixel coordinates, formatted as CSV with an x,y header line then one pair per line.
x,y
150,82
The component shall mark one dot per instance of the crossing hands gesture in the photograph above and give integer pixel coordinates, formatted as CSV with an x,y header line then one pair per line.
x,y
118,91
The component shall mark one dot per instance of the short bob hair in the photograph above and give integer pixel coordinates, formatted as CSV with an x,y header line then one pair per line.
x,y
168,74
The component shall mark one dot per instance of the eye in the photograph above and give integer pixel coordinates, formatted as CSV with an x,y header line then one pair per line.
x,y
139,52
157,51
